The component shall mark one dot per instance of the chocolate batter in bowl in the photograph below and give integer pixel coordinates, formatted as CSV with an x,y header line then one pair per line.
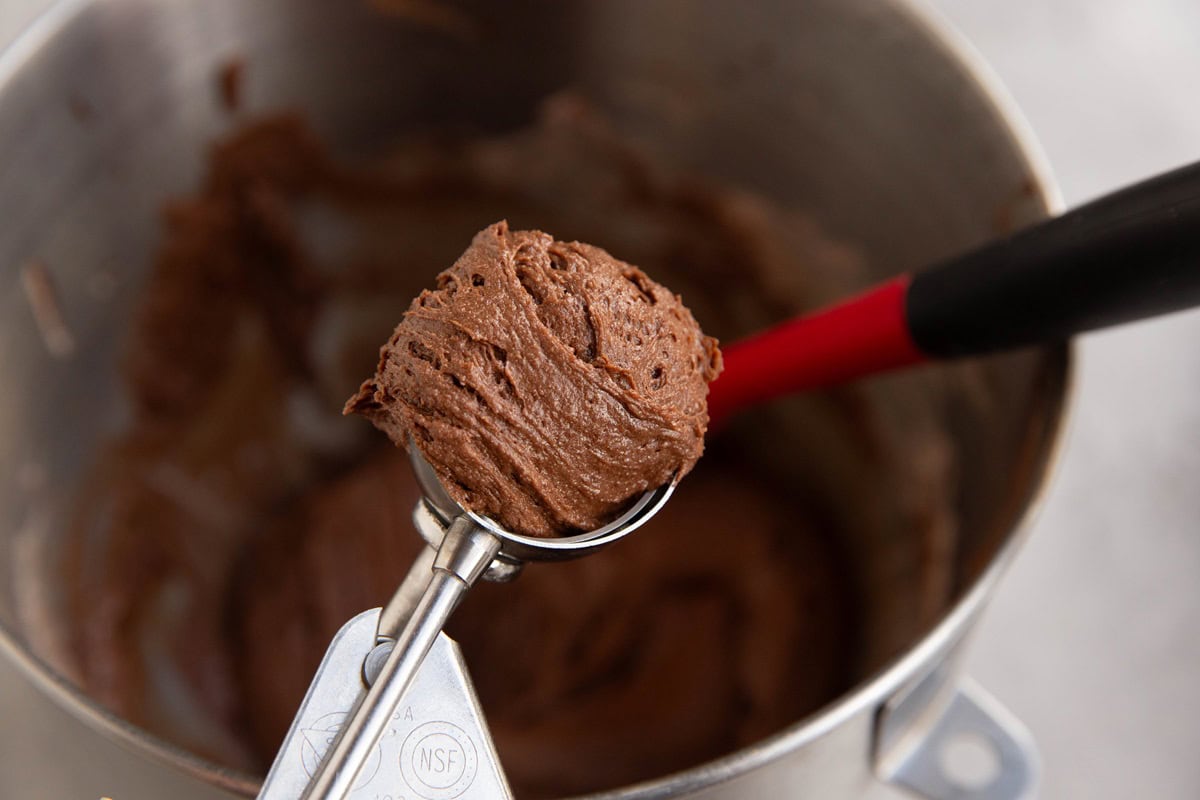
x,y
194,549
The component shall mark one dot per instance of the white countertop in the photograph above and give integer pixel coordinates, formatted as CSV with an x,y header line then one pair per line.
x,y
1094,639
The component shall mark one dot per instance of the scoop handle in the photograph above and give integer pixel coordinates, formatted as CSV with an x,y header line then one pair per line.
x,y
1129,255
465,552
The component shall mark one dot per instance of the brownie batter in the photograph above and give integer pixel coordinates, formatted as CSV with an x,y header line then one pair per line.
x,y
218,544
547,383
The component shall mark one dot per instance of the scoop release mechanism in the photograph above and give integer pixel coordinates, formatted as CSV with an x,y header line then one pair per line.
x,y
436,747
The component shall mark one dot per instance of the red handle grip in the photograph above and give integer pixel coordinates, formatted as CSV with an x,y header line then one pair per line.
x,y
863,335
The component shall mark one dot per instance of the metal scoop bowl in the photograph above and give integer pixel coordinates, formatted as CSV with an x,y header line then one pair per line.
x,y
463,546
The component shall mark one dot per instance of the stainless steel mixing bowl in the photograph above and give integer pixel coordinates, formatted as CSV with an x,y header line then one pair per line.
x,y
864,111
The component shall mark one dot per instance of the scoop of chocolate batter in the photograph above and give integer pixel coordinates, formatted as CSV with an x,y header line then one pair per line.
x,y
546,382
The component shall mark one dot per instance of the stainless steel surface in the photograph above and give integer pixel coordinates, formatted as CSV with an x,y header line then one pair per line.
x,y
909,121
436,744
517,547
469,545
431,526
916,761
465,552
922,731
398,610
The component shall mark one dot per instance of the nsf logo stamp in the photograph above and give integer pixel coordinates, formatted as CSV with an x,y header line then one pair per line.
x,y
439,761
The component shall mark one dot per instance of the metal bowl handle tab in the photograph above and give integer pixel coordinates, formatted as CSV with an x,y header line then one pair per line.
x,y
916,735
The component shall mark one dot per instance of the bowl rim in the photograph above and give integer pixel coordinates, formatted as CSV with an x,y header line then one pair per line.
x,y
868,693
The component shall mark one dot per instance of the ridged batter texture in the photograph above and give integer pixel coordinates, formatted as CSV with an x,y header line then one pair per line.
x,y
546,382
